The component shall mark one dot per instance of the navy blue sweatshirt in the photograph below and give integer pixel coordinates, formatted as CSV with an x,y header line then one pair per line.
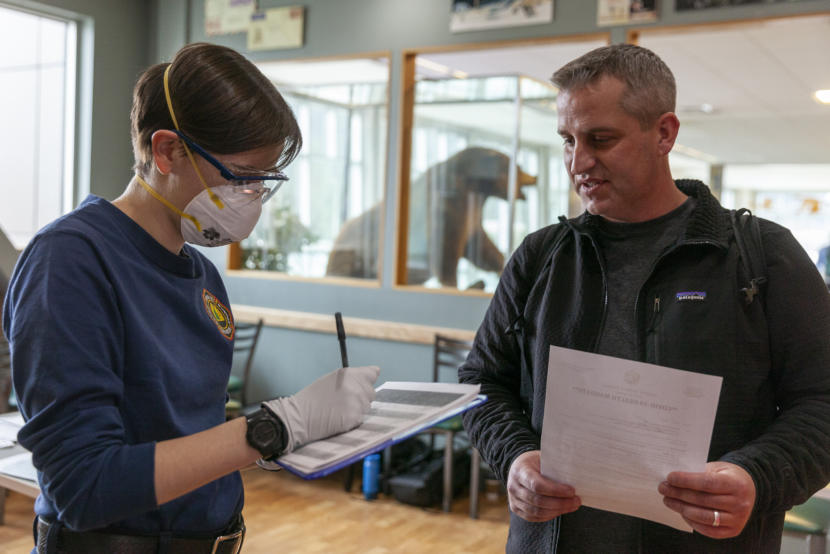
x,y
117,343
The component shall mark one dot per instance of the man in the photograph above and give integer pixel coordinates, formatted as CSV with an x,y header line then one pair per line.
x,y
607,282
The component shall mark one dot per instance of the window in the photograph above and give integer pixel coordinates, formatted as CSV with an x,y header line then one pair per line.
x,y
795,195
37,97
327,220
750,119
485,165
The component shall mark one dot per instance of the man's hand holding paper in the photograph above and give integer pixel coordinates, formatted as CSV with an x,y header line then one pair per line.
x,y
534,497
723,488
615,429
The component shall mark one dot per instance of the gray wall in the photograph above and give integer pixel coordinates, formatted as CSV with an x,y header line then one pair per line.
x,y
129,35
289,359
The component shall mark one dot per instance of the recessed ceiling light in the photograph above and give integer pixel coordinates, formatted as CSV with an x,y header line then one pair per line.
x,y
694,153
434,66
823,95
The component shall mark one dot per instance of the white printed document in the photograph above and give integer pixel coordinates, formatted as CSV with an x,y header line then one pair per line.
x,y
614,429
20,466
10,424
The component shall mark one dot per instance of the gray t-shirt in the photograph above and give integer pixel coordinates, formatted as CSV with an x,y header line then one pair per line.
x,y
630,251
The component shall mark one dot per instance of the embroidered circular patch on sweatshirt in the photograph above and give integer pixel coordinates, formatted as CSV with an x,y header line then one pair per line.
x,y
220,314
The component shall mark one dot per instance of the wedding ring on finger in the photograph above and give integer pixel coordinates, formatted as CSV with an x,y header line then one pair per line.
x,y
716,519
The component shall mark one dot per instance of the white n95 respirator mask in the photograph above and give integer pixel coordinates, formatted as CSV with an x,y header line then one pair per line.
x,y
205,224
216,216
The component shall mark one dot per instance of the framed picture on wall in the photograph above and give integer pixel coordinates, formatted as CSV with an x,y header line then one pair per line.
x,y
681,5
227,16
620,12
474,15
276,28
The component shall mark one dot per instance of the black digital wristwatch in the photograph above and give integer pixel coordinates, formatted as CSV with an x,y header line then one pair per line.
x,y
266,433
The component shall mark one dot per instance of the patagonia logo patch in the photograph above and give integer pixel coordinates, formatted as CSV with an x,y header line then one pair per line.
x,y
220,314
691,296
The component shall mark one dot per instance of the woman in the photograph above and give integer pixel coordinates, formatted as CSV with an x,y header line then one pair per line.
x,y
122,338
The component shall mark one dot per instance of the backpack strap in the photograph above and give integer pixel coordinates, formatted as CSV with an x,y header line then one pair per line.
x,y
750,248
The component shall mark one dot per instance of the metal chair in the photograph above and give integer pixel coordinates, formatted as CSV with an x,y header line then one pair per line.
x,y
245,340
7,400
811,521
448,354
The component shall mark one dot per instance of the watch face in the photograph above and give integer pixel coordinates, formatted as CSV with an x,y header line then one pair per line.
x,y
264,433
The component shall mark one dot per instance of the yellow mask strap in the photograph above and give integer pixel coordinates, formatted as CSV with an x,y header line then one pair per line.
x,y
216,199
164,201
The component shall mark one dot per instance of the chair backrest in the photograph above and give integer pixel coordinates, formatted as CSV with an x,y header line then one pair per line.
x,y
448,353
5,374
5,356
245,340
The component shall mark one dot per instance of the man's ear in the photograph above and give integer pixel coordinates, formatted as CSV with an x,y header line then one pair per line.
x,y
166,147
667,127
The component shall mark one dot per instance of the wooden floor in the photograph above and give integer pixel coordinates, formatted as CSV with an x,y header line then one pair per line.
x,y
286,514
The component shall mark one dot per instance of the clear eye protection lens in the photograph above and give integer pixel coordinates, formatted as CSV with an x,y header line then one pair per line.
x,y
249,187
261,189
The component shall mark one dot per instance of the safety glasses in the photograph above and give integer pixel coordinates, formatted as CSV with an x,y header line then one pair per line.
x,y
267,183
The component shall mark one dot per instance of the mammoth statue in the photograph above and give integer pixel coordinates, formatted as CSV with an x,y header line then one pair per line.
x,y
445,221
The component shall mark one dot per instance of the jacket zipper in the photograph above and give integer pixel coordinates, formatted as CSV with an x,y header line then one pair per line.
x,y
656,309
604,292
654,328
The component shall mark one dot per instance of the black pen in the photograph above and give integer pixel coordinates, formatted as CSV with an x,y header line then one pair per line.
x,y
341,338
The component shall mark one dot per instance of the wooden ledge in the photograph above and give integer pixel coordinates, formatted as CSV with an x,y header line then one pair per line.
x,y
355,326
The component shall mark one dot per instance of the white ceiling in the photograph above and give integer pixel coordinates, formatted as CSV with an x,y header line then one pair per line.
x,y
758,79
538,61
326,72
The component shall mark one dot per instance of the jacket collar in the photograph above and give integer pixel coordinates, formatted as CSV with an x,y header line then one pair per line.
x,y
708,221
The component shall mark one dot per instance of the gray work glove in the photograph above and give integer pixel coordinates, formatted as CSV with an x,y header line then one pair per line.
x,y
334,403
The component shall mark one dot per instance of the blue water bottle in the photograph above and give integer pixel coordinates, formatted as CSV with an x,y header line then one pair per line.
x,y
371,471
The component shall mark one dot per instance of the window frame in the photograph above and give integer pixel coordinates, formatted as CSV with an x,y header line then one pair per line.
x,y
405,142
76,103
234,263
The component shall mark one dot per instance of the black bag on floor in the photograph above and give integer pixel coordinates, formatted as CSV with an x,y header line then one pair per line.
x,y
423,484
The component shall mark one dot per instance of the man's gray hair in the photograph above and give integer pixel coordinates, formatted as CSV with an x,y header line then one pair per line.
x,y
650,87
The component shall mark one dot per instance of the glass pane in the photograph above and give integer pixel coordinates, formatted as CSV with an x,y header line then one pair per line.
x,y
748,113
19,39
52,41
33,158
539,144
18,156
795,195
486,162
459,182
326,221
50,148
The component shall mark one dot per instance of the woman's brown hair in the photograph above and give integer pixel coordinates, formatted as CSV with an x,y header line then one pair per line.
x,y
221,101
